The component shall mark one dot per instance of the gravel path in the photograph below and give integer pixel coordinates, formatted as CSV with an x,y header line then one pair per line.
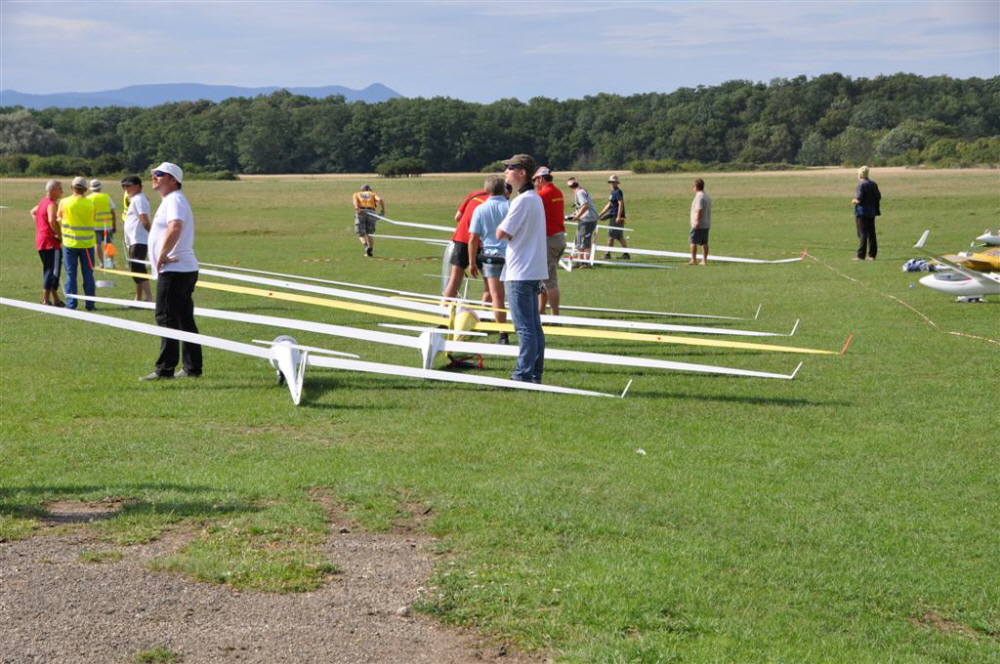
x,y
56,608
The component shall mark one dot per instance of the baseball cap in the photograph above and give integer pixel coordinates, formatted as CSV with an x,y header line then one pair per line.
x,y
366,187
131,180
95,185
79,182
525,161
172,169
542,170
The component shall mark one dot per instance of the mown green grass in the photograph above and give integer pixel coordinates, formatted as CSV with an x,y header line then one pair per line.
x,y
850,515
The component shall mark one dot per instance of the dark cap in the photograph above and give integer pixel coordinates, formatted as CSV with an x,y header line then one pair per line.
x,y
525,161
130,180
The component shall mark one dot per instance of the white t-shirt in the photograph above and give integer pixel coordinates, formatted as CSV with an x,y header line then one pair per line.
x,y
135,232
702,201
173,207
526,250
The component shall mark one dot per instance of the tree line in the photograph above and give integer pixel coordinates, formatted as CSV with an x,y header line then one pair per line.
x,y
827,120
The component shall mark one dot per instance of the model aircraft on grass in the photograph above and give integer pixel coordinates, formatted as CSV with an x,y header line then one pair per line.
x,y
682,254
969,276
291,359
437,316
431,297
431,342
425,304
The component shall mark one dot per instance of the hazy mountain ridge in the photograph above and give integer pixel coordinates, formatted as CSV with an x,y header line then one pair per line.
x,y
165,93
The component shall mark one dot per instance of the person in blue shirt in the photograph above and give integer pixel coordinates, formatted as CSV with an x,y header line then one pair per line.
x,y
487,253
614,213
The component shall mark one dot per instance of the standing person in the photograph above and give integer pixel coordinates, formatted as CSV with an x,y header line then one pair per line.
x,y
486,250
137,223
525,266
458,256
171,255
866,207
47,241
77,221
555,236
614,212
107,222
366,202
701,222
585,216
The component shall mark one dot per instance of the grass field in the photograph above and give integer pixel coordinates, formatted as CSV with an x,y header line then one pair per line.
x,y
849,515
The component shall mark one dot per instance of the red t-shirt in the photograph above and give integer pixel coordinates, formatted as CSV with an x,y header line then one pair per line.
x,y
552,200
468,206
44,237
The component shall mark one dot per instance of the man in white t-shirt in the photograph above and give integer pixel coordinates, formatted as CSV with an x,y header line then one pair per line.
x,y
171,253
701,222
525,266
137,223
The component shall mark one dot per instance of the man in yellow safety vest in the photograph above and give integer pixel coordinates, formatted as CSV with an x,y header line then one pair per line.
x,y
107,222
77,219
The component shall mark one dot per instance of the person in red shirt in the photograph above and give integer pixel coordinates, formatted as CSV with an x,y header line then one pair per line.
x,y
459,258
48,235
555,236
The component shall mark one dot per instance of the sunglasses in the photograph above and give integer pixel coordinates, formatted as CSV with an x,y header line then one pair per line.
x,y
160,174
511,167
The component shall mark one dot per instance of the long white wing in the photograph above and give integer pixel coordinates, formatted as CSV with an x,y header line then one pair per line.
x,y
427,345
681,254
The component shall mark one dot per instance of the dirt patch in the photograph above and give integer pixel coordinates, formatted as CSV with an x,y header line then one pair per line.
x,y
941,624
56,607
66,512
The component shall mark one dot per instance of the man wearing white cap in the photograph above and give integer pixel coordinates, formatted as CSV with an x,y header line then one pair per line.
x,y
171,255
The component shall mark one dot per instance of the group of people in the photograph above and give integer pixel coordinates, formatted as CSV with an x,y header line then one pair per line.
x,y
70,232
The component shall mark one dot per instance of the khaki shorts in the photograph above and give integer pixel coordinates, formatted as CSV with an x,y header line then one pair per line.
x,y
364,222
555,246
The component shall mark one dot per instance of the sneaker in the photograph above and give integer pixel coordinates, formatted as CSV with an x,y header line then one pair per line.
x,y
155,376
857,259
183,373
504,339
607,256
626,256
369,252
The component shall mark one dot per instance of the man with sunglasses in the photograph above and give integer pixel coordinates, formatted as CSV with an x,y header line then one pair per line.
x,y
525,266
171,254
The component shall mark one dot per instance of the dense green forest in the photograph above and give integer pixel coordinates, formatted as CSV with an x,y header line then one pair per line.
x,y
830,119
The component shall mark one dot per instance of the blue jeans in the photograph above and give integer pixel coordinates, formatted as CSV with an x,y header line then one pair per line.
x,y
522,296
86,259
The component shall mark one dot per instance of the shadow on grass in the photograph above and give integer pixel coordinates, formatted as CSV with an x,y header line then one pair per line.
x,y
27,502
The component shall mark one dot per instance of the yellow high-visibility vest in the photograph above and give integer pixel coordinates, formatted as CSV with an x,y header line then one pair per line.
x,y
76,216
102,211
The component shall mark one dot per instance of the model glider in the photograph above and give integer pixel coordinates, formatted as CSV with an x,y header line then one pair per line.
x,y
431,342
429,297
682,254
425,305
291,359
430,314
969,276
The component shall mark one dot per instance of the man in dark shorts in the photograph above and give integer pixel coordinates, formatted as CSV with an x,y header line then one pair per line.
x,y
459,249
614,213
701,222
137,223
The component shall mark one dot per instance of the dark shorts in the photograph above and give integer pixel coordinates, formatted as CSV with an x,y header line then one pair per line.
x,y
100,236
585,234
459,254
616,233
364,223
137,252
699,236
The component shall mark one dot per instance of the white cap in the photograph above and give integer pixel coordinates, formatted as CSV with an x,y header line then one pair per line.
x,y
173,169
542,170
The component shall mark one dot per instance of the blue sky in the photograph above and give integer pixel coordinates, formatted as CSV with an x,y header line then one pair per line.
x,y
483,51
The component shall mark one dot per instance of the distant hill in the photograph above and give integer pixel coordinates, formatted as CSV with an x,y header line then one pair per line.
x,y
153,95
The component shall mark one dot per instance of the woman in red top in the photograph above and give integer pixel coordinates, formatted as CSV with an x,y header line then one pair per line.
x,y
48,242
